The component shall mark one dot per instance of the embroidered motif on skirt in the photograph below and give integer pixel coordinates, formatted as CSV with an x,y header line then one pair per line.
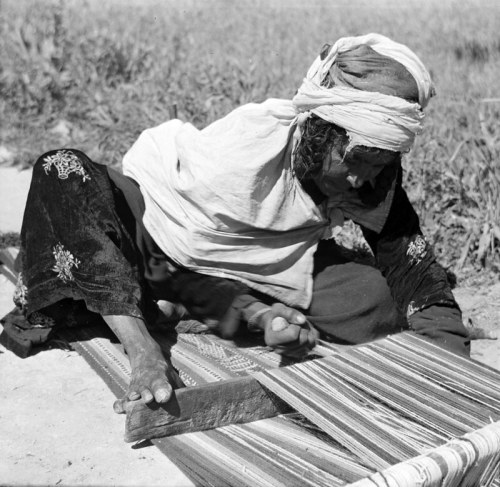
x,y
417,250
66,162
39,320
20,293
65,261
411,310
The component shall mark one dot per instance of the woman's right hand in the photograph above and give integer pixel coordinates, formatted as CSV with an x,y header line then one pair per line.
x,y
287,331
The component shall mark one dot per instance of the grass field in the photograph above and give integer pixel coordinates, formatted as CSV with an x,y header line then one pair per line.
x,y
93,74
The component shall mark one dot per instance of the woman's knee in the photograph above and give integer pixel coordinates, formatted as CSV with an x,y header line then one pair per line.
x,y
353,303
350,285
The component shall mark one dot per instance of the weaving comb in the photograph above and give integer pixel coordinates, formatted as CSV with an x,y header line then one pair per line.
x,y
203,407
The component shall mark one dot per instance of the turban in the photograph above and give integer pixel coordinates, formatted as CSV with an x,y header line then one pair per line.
x,y
379,90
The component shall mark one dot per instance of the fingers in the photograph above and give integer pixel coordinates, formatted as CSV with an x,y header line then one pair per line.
x,y
160,392
230,322
119,405
301,347
312,337
287,338
279,324
481,333
146,395
291,315
281,335
133,395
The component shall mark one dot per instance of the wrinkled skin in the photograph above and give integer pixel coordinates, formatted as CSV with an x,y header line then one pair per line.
x,y
152,378
287,331
343,172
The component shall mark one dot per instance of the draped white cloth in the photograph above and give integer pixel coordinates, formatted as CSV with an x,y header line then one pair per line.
x,y
224,201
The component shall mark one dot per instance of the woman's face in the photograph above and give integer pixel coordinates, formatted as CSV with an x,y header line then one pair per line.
x,y
359,166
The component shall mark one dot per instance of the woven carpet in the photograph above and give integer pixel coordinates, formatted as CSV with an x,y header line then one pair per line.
x,y
284,451
390,401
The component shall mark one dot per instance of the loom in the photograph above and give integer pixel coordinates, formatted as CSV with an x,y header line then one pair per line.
x,y
397,412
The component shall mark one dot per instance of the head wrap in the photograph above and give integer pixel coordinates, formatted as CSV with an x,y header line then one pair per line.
x,y
368,99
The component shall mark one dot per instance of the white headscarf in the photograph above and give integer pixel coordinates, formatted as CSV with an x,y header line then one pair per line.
x,y
371,119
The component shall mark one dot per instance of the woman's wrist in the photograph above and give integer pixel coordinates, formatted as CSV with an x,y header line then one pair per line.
x,y
255,322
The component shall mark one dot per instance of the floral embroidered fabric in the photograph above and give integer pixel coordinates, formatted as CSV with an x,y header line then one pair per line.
x,y
65,261
77,253
65,162
417,250
20,293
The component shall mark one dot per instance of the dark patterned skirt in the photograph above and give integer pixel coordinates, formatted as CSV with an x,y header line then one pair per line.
x,y
78,258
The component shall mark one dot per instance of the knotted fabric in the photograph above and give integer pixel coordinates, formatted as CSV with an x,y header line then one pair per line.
x,y
371,118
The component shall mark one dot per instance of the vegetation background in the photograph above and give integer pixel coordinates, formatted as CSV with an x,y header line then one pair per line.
x,y
93,74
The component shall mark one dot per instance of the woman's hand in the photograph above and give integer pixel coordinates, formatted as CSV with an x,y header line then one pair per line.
x,y
287,331
152,376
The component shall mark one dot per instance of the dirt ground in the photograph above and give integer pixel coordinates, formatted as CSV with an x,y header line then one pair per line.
x,y
57,426
481,311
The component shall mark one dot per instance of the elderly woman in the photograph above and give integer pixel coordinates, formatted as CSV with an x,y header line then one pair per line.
x,y
236,223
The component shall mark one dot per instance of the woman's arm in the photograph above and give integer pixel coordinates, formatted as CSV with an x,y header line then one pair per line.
x,y
224,304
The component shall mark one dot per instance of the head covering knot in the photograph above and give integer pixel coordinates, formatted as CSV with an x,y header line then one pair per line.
x,y
380,88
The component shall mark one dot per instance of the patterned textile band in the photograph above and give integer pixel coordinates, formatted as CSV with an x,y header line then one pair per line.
x,y
471,460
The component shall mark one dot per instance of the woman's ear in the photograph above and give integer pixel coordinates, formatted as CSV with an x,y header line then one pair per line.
x,y
324,51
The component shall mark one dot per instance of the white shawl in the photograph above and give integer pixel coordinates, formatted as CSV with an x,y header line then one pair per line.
x,y
223,201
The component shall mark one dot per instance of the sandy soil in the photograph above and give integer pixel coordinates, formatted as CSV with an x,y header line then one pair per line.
x,y
58,427
481,311
56,420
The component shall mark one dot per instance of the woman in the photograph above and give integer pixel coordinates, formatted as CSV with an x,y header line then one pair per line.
x,y
235,223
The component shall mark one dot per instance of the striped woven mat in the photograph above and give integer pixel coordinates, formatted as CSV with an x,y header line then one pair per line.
x,y
390,401
282,451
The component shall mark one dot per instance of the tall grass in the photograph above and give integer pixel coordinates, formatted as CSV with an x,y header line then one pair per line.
x,y
94,74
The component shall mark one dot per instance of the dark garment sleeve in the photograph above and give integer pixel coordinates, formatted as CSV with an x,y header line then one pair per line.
x,y
418,283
